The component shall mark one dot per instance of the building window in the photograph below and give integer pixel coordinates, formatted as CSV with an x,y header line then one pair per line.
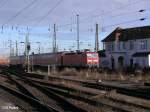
x,y
131,45
124,45
143,62
143,44
137,61
119,46
110,46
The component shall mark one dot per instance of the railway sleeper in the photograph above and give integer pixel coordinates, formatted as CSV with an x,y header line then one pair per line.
x,y
35,103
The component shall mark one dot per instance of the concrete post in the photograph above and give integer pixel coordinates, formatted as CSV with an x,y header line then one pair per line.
x,y
48,70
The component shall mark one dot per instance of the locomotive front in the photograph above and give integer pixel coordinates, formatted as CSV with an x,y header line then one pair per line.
x,y
92,59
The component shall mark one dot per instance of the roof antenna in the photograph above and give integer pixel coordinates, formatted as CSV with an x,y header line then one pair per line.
x,y
71,25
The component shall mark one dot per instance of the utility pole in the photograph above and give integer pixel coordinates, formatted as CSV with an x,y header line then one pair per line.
x,y
78,46
57,48
10,48
32,61
54,39
49,37
13,52
96,39
27,49
25,53
39,47
16,48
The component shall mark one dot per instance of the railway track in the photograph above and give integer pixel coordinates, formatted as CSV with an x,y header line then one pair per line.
x,y
113,103
79,97
147,83
101,86
49,98
35,103
117,98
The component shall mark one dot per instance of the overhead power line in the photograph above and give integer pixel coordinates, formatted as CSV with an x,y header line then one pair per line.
x,y
126,22
114,16
121,7
49,12
127,13
121,23
105,13
3,3
19,12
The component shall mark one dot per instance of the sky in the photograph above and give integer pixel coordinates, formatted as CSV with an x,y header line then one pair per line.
x,y
36,17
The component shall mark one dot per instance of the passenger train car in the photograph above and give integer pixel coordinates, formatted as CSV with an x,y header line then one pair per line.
x,y
60,59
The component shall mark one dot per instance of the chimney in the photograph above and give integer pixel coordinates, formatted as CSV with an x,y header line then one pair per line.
x,y
118,33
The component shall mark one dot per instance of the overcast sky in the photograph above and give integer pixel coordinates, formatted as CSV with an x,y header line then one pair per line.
x,y
40,15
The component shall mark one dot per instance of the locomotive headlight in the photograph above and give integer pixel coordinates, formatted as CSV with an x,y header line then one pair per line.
x,y
89,61
95,60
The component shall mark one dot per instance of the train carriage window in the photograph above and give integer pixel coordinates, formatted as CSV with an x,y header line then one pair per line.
x,y
91,55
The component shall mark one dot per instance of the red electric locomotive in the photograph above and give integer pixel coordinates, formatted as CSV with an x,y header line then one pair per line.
x,y
81,59
60,59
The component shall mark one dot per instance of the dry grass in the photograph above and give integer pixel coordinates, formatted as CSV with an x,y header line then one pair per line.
x,y
95,75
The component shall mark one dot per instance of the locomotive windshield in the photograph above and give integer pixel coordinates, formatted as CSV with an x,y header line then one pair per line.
x,y
92,55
